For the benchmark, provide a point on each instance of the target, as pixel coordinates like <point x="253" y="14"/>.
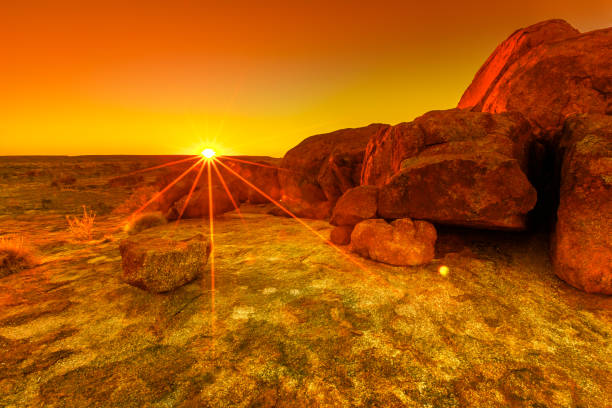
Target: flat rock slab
<point x="294" y="323"/>
<point x="159" y="260"/>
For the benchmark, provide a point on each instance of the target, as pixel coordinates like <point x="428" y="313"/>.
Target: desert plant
<point x="15" y="256"/>
<point x="82" y="228"/>
<point x="145" y="221"/>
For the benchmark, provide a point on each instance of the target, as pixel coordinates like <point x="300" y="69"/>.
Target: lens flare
<point x="443" y="270"/>
<point x="208" y="153"/>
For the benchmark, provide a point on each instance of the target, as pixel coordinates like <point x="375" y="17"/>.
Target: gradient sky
<point x="250" y="77"/>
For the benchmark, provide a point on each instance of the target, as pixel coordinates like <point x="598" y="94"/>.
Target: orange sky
<point x="253" y="77"/>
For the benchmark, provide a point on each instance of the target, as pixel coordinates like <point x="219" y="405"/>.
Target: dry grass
<point x="15" y="256"/>
<point x="145" y="221"/>
<point x="82" y="228"/>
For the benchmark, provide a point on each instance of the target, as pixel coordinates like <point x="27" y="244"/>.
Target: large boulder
<point x="198" y="204"/>
<point x="158" y="260"/>
<point x="546" y="71"/>
<point x="322" y="167"/>
<point x="454" y="167"/>
<point x="582" y="242"/>
<point x="261" y="171"/>
<point x="402" y="242"/>
<point x="508" y="52"/>
<point x="355" y="205"/>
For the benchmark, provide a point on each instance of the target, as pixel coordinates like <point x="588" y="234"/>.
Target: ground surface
<point x="295" y="323"/>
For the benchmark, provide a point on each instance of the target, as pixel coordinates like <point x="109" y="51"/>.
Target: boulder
<point x="322" y="167"/>
<point x="341" y="234"/>
<point x="260" y="171"/>
<point x="508" y="52"/>
<point x="582" y="242"/>
<point x="547" y="72"/>
<point x="355" y="205"/>
<point x="454" y="167"/>
<point x="402" y="242"/>
<point x="198" y="205"/>
<point x="157" y="260"/>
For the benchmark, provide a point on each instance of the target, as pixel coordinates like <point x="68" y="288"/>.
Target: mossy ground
<point x="295" y="323"/>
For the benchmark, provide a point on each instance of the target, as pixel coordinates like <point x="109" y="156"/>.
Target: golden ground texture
<point x="295" y="323"/>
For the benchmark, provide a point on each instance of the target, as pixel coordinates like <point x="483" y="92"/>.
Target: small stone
<point x="341" y="235"/>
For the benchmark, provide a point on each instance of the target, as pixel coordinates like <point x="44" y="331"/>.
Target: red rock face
<point x="549" y="79"/>
<point x="356" y="205"/>
<point x="454" y="167"/>
<point x="508" y="52"/>
<point x="322" y="167"/>
<point x="403" y="242"/>
<point x="582" y="243"/>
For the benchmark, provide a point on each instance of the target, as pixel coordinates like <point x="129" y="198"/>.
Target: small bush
<point x="15" y="256"/>
<point x="145" y="221"/>
<point x="82" y="228"/>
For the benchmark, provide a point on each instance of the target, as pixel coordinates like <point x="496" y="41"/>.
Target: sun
<point x="208" y="153"/>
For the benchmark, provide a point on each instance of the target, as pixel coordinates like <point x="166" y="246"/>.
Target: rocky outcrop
<point x="355" y="205"/>
<point x="158" y="262"/>
<point x="546" y="71"/>
<point x="322" y="167"/>
<point x="198" y="204"/>
<point x="402" y="242"/>
<point x="261" y="171"/>
<point x="582" y="242"/>
<point x="454" y="167"/>
<point x="508" y="52"/>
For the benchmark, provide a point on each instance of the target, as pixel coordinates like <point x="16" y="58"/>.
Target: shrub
<point x="145" y="221"/>
<point x="82" y="228"/>
<point x="15" y="256"/>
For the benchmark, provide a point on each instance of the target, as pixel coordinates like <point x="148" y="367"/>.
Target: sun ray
<point x="317" y="233"/>
<point x="173" y="163"/>
<point x="229" y="194"/>
<point x="159" y="194"/>
<point x="212" y="254"/>
<point x="193" y="187"/>
<point x="255" y="164"/>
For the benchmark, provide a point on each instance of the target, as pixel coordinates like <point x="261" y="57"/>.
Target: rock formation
<point x="546" y="71"/>
<point x="582" y="242"/>
<point x="454" y="167"/>
<point x="157" y="261"/>
<point x="198" y="205"/>
<point x="322" y="167"/>
<point x="402" y="242"/>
